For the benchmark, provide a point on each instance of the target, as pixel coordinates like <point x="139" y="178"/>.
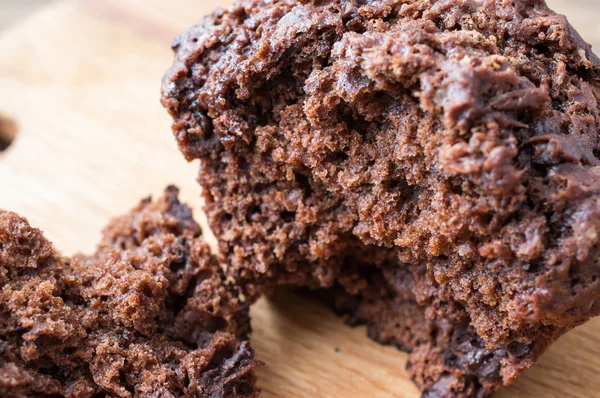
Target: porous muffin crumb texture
<point x="148" y="315"/>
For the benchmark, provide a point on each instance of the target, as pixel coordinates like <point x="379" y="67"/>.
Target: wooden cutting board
<point x="79" y="88"/>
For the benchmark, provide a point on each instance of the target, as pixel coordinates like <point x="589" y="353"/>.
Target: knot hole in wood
<point x="8" y="132"/>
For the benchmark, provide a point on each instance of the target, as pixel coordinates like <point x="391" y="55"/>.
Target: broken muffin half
<point x="441" y="156"/>
<point x="147" y="315"/>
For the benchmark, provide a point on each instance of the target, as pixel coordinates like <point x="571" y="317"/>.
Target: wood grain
<point x="81" y="79"/>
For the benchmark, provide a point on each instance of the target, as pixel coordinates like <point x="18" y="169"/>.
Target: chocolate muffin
<point x="148" y="315"/>
<point x="460" y="135"/>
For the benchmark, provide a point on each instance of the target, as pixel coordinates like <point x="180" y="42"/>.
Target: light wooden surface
<point x="81" y="79"/>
